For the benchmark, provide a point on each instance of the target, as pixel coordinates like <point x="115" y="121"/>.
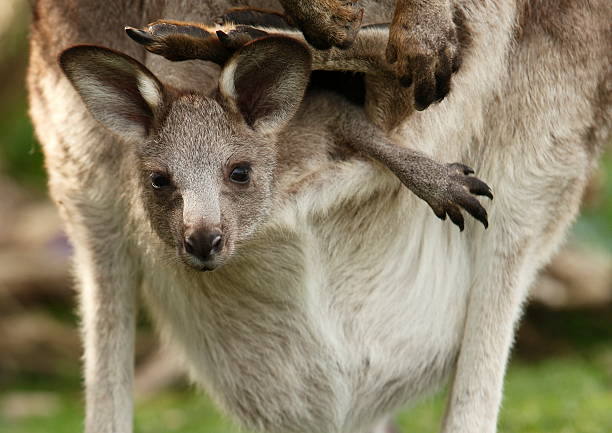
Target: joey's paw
<point x="326" y="23"/>
<point x="461" y="192"/>
<point x="175" y="40"/>
<point x="424" y="50"/>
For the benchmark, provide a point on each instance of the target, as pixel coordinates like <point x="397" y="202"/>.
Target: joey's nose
<point x="203" y="244"/>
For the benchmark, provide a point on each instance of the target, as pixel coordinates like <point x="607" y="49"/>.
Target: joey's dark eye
<point x="159" y="180"/>
<point x="240" y="174"/>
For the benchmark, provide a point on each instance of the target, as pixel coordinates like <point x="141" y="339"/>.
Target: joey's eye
<point x="159" y="180"/>
<point x="240" y="174"/>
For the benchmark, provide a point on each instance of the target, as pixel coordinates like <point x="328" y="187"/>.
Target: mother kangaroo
<point x="351" y="300"/>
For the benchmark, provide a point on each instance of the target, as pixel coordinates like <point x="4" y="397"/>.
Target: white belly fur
<point x="339" y="313"/>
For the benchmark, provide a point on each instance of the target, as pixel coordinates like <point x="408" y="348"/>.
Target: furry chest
<point x="309" y="332"/>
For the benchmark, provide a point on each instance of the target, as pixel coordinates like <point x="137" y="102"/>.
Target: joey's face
<point x="207" y="181"/>
<point x="206" y="167"/>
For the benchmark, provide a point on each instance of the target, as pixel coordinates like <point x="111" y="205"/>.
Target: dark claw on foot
<point x="440" y="213"/>
<point x="478" y="187"/>
<point x="455" y="215"/>
<point x="474" y="208"/>
<point x="463" y="191"/>
<point x="140" y="36"/>
<point x="460" y="192"/>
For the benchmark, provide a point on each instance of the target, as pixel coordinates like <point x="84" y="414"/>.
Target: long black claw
<point x="140" y="36"/>
<point x="482" y="217"/>
<point x="484" y="221"/>
<point x="455" y="215"/>
<point x="478" y="187"/>
<point x="474" y="208"/>
<point x="439" y="213"/>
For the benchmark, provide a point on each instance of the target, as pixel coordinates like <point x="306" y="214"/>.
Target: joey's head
<point x="205" y="162"/>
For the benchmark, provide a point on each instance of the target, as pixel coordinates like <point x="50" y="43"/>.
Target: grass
<point x="564" y="395"/>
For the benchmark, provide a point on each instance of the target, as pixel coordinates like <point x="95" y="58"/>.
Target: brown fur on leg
<point x="250" y="16"/>
<point x="326" y="23"/>
<point x="179" y="41"/>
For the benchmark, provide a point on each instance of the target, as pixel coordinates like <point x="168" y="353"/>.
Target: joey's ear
<point x="119" y="92"/>
<point x="265" y="81"/>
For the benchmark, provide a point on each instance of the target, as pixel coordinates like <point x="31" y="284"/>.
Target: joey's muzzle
<point x="202" y="245"/>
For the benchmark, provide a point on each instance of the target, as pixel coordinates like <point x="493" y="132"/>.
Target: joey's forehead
<point x="193" y="120"/>
<point x="195" y="130"/>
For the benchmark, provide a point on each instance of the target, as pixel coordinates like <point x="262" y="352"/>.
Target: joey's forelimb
<point x="446" y="188"/>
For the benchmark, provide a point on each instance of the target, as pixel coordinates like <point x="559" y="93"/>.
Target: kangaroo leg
<point x="107" y="283"/>
<point x="249" y="16"/>
<point x="108" y="309"/>
<point x="506" y="265"/>
<point x="178" y="41"/>
<point x="494" y="307"/>
<point x="324" y="23"/>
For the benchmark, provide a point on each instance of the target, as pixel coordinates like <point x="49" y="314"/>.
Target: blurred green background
<point x="559" y="380"/>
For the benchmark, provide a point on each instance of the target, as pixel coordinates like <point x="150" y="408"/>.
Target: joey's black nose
<point x="203" y="244"/>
